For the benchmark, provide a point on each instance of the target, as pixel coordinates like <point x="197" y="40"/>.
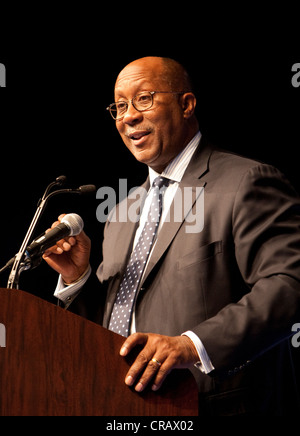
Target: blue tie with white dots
<point x="122" y="310"/>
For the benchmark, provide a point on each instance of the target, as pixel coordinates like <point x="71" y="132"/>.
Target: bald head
<point x="167" y="70"/>
<point x="176" y="75"/>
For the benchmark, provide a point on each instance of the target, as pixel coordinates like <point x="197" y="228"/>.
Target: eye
<point x="143" y="100"/>
<point x="121" y="107"/>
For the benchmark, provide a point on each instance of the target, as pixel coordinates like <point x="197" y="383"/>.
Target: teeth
<point x="138" y="135"/>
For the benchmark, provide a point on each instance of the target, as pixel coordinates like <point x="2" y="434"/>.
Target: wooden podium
<point x="56" y="363"/>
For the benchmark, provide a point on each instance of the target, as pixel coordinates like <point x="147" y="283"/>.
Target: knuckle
<point x="153" y="365"/>
<point x="164" y="371"/>
<point x="142" y="358"/>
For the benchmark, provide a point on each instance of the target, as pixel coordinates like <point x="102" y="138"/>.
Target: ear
<point x="188" y="104"/>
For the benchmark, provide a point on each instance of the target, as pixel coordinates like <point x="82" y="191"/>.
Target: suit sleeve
<point x="266" y="233"/>
<point x="89" y="303"/>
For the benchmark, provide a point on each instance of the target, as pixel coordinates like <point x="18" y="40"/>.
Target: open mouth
<point x="138" y="136"/>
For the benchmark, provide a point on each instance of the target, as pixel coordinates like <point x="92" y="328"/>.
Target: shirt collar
<point x="176" y="168"/>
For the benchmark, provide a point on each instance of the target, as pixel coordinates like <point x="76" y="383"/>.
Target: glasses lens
<point x="117" y="110"/>
<point x="143" y="101"/>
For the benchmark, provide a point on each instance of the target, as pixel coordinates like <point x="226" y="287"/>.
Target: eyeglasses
<point x="141" y="102"/>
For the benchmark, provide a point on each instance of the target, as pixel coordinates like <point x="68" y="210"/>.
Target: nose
<point x="132" y="116"/>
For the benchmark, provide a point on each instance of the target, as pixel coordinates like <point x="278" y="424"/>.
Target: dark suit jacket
<point x="236" y="283"/>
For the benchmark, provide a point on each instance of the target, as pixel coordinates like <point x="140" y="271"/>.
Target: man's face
<point x="158" y="134"/>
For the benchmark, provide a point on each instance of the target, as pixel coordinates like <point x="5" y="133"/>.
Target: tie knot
<point x="160" y="182"/>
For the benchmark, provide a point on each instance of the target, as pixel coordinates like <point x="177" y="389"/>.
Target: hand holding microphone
<point x="70" y="255"/>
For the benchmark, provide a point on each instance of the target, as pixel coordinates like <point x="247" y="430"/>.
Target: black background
<point x="61" y="68"/>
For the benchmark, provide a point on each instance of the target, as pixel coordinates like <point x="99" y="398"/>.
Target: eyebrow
<point x="144" y="85"/>
<point x="122" y="98"/>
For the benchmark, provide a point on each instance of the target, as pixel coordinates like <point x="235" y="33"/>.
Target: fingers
<point x="62" y="245"/>
<point x="151" y="364"/>
<point x="155" y="373"/>
<point x="157" y="359"/>
<point x="132" y="341"/>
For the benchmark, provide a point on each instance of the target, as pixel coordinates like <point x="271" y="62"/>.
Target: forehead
<point x="135" y="78"/>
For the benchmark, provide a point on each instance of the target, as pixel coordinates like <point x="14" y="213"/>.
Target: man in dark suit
<point x="220" y="290"/>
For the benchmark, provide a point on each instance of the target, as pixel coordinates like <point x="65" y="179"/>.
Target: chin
<point x="146" y="157"/>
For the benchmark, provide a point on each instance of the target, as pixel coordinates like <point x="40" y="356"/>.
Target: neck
<point x="189" y="137"/>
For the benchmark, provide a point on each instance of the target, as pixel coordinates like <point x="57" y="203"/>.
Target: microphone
<point x="60" y="180"/>
<point x="71" y="225"/>
<point x="85" y="190"/>
<point x="82" y="190"/>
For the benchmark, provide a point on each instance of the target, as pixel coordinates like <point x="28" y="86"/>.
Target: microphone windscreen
<point x="74" y="222"/>
<point x="87" y="189"/>
<point x="61" y="180"/>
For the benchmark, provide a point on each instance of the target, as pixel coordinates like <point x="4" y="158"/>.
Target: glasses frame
<point x="152" y="93"/>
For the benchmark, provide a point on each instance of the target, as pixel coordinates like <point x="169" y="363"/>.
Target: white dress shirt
<point x="174" y="171"/>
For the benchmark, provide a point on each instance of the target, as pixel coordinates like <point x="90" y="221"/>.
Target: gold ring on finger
<point x="156" y="361"/>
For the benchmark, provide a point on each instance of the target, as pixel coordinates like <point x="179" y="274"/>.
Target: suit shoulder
<point x="232" y="169"/>
<point x="227" y="170"/>
<point x="234" y="160"/>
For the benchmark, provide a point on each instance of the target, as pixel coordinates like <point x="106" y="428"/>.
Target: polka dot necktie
<point x="122" y="310"/>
